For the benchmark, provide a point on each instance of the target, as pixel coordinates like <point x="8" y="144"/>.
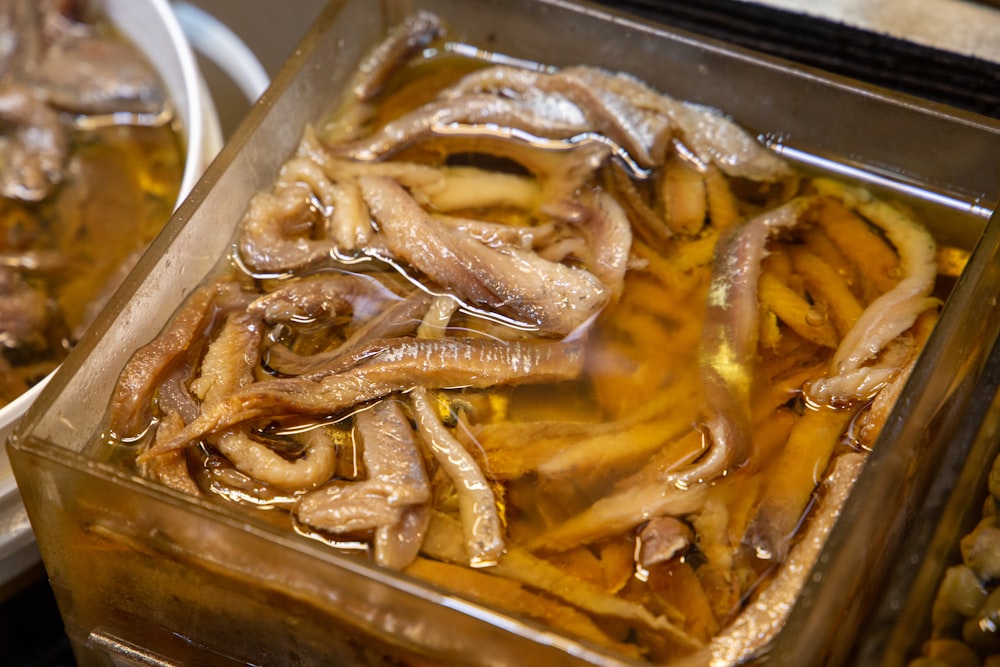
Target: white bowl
<point x="153" y="27"/>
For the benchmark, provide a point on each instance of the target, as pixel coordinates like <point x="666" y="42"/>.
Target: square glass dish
<point x="146" y="575"/>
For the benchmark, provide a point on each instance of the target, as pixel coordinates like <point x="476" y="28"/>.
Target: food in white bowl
<point x="107" y="126"/>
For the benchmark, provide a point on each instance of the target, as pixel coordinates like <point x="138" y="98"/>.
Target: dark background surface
<point x="968" y="83"/>
<point x="30" y="628"/>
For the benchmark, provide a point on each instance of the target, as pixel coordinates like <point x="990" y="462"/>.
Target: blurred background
<point x="271" y="29"/>
<point x="31" y="633"/>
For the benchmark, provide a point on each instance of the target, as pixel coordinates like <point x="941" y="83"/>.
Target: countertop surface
<point x="967" y="28"/>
